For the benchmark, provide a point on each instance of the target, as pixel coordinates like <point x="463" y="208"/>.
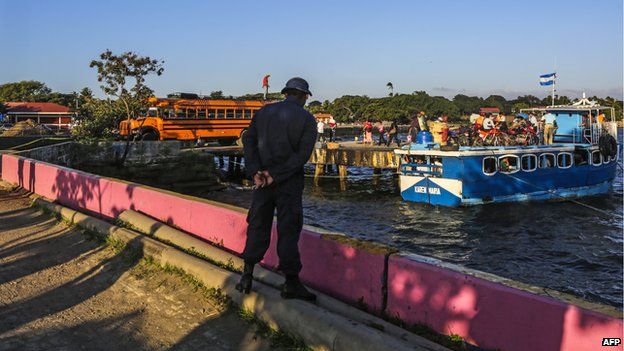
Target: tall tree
<point x="115" y="71"/>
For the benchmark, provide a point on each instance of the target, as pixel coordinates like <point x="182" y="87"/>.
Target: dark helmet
<point x="297" y="84"/>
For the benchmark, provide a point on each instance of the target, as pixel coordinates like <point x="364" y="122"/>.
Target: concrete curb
<point x="318" y="327"/>
<point x="161" y="231"/>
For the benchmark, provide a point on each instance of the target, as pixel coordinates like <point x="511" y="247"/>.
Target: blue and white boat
<point x="582" y="161"/>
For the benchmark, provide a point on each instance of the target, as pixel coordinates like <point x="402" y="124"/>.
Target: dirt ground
<point x="61" y="290"/>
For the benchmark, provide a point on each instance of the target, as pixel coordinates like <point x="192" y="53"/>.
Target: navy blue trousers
<point x="286" y="199"/>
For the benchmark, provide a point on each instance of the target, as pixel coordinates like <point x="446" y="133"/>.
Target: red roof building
<point x="492" y="110"/>
<point x="47" y="113"/>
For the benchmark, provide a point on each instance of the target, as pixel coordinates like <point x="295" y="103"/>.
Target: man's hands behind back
<point x="262" y="179"/>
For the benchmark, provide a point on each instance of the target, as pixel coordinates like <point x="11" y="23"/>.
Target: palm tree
<point x="391" y="87"/>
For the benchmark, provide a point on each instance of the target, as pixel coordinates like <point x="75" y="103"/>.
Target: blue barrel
<point x="424" y="137"/>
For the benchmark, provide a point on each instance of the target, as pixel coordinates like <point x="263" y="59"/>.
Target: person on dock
<point x="413" y="130"/>
<point x="332" y="128"/>
<point x="320" y="130"/>
<point x="368" y="132"/>
<point x="382" y="133"/>
<point x="393" y="134"/>
<point x="279" y="141"/>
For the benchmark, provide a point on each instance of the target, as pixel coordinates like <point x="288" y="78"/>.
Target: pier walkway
<point x="59" y="289"/>
<point x="340" y="155"/>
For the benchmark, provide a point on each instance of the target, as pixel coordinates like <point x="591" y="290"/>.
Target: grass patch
<point x="453" y="341"/>
<point x="276" y="338"/>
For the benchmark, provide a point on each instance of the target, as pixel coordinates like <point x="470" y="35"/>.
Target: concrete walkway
<point x="61" y="290"/>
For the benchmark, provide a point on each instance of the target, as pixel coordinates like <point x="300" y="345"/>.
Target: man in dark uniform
<point x="277" y="144"/>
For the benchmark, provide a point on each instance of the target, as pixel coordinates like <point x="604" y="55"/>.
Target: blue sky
<point x="445" y="47"/>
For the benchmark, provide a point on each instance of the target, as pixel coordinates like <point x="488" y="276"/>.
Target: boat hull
<point x="434" y="192"/>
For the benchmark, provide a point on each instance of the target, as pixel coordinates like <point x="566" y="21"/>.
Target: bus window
<point x="547" y="161"/>
<point x="212" y="113"/>
<point x="564" y="160"/>
<point x="239" y="114"/>
<point x="220" y="114"/>
<point x="201" y="113"/>
<point x="581" y="157"/>
<point x="529" y="163"/>
<point x="180" y="113"/>
<point x="191" y="113"/>
<point x="596" y="158"/>
<point x="490" y="165"/>
<point x="229" y="114"/>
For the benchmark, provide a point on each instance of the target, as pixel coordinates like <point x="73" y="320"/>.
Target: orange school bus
<point x="192" y="119"/>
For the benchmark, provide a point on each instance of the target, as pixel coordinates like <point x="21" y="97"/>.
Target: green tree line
<point x="401" y="107"/>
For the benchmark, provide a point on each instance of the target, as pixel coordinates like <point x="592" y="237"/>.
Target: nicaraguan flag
<point x="547" y="79"/>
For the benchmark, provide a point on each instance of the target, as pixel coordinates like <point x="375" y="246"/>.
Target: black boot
<point x="244" y="285"/>
<point x="293" y="289"/>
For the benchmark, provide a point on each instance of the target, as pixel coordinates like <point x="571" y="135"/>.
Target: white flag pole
<point x="553" y="88"/>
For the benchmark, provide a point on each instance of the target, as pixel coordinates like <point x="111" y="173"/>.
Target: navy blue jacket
<point x="279" y="139"/>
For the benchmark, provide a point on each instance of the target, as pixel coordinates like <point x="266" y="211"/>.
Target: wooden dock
<point x="341" y="155"/>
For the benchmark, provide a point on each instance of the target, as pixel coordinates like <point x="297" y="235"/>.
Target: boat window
<point x="547" y="161"/>
<point x="564" y="160"/>
<point x="420" y="159"/>
<point x="509" y="164"/>
<point x="436" y="161"/>
<point x="581" y="157"/>
<point x="596" y="158"/>
<point x="490" y="165"/>
<point x="529" y="163"/>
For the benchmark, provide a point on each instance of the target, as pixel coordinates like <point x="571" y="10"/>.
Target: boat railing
<point x="592" y="135"/>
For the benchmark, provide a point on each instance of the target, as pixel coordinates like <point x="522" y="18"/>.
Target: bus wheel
<point x="149" y="135"/>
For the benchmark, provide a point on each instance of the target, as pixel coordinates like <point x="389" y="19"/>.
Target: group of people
<point x="320" y="129"/>
<point x="386" y="137"/>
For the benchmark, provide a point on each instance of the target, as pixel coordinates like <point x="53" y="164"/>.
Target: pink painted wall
<point x="346" y="273"/>
<point x="491" y="315"/>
